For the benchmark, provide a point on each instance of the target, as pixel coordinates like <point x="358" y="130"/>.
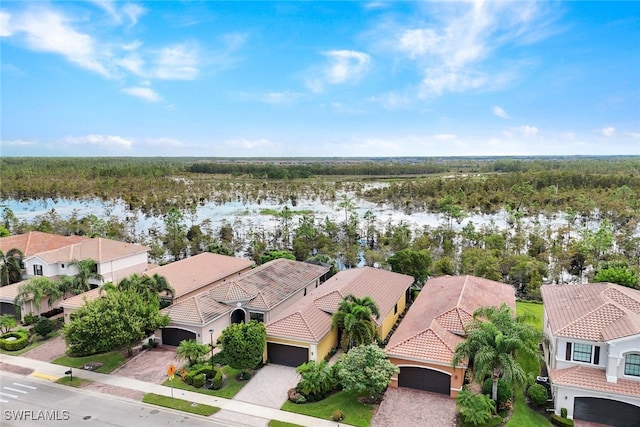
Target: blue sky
<point x="342" y="78"/>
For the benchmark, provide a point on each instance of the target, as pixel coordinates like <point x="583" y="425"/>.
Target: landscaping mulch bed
<point x="6" y="367"/>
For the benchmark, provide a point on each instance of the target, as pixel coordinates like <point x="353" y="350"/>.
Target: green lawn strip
<point x="77" y="382"/>
<point x="534" y="308"/>
<point x="355" y="413"/>
<point x="179" y="404"/>
<point x="523" y="415"/>
<point x="232" y="387"/>
<point x="276" y="423"/>
<point x="36" y="340"/>
<point x="110" y="361"/>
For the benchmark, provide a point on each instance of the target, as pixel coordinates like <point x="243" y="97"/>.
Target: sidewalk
<point x="52" y="372"/>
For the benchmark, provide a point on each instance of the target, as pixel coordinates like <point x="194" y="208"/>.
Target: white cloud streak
<point x="500" y="112"/>
<point x="608" y="131"/>
<point x="105" y="141"/>
<point x="144" y="93"/>
<point x="344" y="66"/>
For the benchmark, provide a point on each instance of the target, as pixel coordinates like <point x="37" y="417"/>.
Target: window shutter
<point x="568" y="355"/>
<point x="596" y="356"/>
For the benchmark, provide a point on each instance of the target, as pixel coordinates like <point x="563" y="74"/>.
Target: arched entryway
<point x="238" y="316"/>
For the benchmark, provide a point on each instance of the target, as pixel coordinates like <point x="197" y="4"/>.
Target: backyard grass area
<point x="110" y="361"/>
<point x="276" y="423"/>
<point x="179" y="404"/>
<point x="232" y="387"/>
<point x="36" y="340"/>
<point x="355" y="413"/>
<point x="523" y="415"/>
<point x="77" y="382"/>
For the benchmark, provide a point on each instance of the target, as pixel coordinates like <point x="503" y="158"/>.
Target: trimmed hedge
<point x="20" y="342"/>
<point x="216" y="381"/>
<point x="198" y="375"/>
<point x="538" y="394"/>
<point x="557" y="420"/>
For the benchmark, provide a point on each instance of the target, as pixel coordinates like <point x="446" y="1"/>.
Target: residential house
<point x="303" y="332"/>
<point x="425" y="341"/>
<point x="592" y="348"/>
<point x="259" y="294"/>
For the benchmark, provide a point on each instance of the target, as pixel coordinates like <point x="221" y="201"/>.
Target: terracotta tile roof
<point x="8" y="293"/>
<point x="191" y="274"/>
<point x="98" y="249"/>
<point x="275" y="282"/>
<point x="384" y="287"/>
<point x="444" y="305"/>
<point x="593" y="379"/>
<point x="198" y="310"/>
<point x="78" y="301"/>
<point x="35" y="242"/>
<point x="595" y="312"/>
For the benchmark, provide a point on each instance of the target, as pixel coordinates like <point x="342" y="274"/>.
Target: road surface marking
<point x="4" y="401"/>
<point x="26" y="386"/>
<point x="45" y="376"/>
<point x="7" y="394"/>
<point x="15" y="389"/>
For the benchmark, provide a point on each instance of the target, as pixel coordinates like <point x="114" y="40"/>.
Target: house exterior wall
<point x="202" y="332"/>
<point x="326" y="344"/>
<point x="618" y="350"/>
<point x="457" y="374"/>
<point x="565" y="398"/>
<point x="117" y="269"/>
<point x="560" y="361"/>
<point x="387" y="324"/>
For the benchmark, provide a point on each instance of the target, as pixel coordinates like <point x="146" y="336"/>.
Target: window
<point x="582" y="353"/>
<point x="37" y="270"/>
<point x="632" y="365"/>
<point x="62" y="265"/>
<point x="395" y="309"/>
<point x="258" y="317"/>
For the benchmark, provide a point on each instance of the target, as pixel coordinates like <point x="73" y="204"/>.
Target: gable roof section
<point x="595" y="312"/>
<point x="97" y="249"/>
<point x="35" y="242"/>
<point x="79" y="300"/>
<point x="191" y="274"/>
<point x="316" y="309"/>
<point x="197" y="310"/>
<point x="431" y="328"/>
<point x="593" y="379"/>
<point x="268" y="285"/>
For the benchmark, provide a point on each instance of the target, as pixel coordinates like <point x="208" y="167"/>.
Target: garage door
<point x="605" y="411"/>
<point x="287" y="355"/>
<point x="173" y="336"/>
<point x="425" y="379"/>
<point x="7" y="308"/>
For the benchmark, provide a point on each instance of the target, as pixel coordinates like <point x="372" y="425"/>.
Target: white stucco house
<point x="592" y="348"/>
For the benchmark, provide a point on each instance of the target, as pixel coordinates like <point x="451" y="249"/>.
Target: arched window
<point x="632" y="365"/>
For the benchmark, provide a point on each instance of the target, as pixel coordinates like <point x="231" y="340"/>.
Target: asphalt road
<point x="30" y="402"/>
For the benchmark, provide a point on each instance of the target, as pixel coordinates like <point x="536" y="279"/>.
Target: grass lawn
<point x="522" y="414"/>
<point x="276" y="423"/>
<point x="110" y="361"/>
<point x="36" y="340"/>
<point x="77" y="382"/>
<point x="355" y="413"/>
<point x="179" y="404"/>
<point x="232" y="387"/>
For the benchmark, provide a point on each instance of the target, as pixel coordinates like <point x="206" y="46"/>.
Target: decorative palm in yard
<point x="355" y="318"/>
<point x="35" y="290"/>
<point x="494" y="339"/>
<point x="11" y="271"/>
<point x="87" y="270"/>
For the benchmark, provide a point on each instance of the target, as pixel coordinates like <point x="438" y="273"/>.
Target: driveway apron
<point x="404" y="407"/>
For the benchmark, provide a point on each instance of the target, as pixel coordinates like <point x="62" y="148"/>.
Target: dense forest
<point x="567" y="219"/>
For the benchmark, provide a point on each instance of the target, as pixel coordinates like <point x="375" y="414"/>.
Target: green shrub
<point x="30" y="319"/>
<point x="295" y="396"/>
<point x="337" y="415"/>
<point x="505" y="391"/>
<point x="198" y="380"/>
<point x="21" y="341"/>
<point x="44" y="327"/>
<point x="557" y="420"/>
<point x="206" y="371"/>
<point x="538" y="394"/>
<point x="563" y="412"/>
<point x="216" y="381"/>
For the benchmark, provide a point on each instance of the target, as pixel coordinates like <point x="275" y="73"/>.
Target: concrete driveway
<point x="269" y="386"/>
<point x="402" y="407"/>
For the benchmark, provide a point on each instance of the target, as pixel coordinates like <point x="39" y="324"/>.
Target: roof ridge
<point x="196" y="302"/>
<point x="411" y="337"/>
<point x="586" y="315"/>
<point x="464" y="286"/>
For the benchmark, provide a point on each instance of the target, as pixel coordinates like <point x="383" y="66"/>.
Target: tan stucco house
<point x="424" y="343"/>
<point x="303" y="332"/>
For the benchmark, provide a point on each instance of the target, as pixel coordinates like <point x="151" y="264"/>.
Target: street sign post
<point x="171" y="371"/>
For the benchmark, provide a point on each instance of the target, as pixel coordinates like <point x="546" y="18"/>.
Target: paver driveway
<point x="149" y="365"/>
<point x="404" y="407"/>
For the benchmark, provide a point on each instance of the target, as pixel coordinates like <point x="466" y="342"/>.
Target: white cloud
<point x="145" y="93"/>
<point x="392" y="100"/>
<point x="608" y="131"/>
<point x="131" y="11"/>
<point x="165" y="143"/>
<point x="5" y="24"/>
<point x="445" y="137"/>
<point x="17" y="143"/>
<point x="48" y="31"/>
<point x="500" y="112"/>
<point x="528" y="131"/>
<point x="343" y="66"/>
<point x="176" y="62"/>
<point x="451" y="41"/>
<point x="105" y="141"/>
<point x="634" y="135"/>
<point x="252" y="144"/>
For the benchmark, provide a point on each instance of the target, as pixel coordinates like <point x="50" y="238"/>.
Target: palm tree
<point x="147" y="285"/>
<point x="11" y="270"/>
<point x="35" y="290"/>
<point x="87" y="270"/>
<point x="316" y="377"/>
<point x="191" y="351"/>
<point x="494" y="340"/>
<point x="355" y="319"/>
